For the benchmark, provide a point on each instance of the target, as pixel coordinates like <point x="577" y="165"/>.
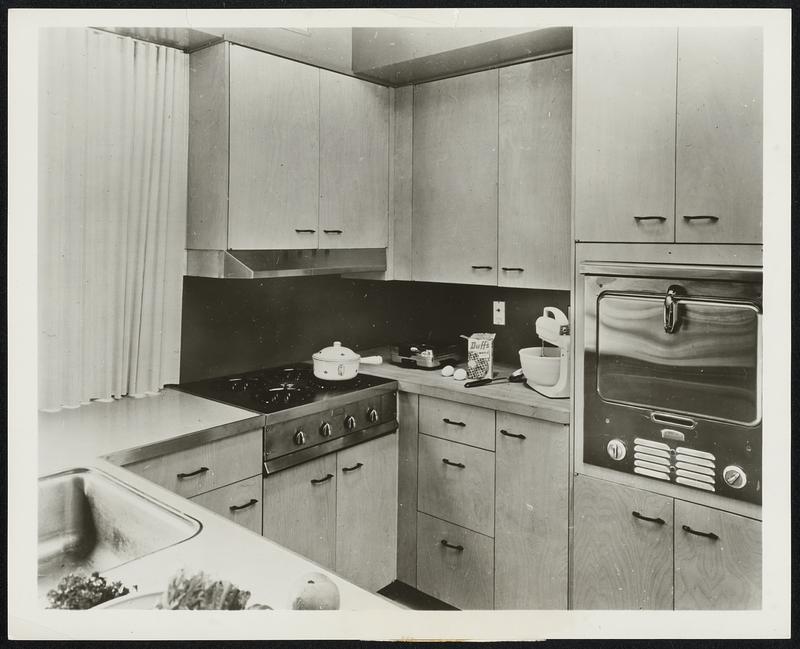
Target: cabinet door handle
<point x="202" y="469"/>
<point x="347" y="469"/>
<point x="304" y="231"/>
<point x="453" y="423"/>
<point x="458" y="464"/>
<point x="507" y="434"/>
<point x="482" y="267"/>
<point x="321" y="480"/>
<point x="235" y="508"/>
<point x="514" y="268"/>
<point x="457" y="548"/>
<point x="651" y="519"/>
<point x="650" y="217"/>
<point x="333" y="231"/>
<point x="708" y="535"/>
<point x="701" y="217"/>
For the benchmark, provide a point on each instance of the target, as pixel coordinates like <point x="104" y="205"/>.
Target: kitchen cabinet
<point x="366" y="513"/>
<point x="535" y="164"/>
<point x="239" y="502"/>
<point x="457" y="422"/>
<point x="353" y="163"/>
<point x="408" y="445"/>
<point x="668" y="135"/>
<point x="719" y="135"/>
<point x="631" y="546"/>
<point x="454" y="179"/>
<point x="531" y="514"/>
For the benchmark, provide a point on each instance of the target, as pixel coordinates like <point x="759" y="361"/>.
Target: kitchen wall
<point x="238" y="325"/>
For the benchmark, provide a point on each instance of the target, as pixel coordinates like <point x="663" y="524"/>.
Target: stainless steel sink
<point x="92" y="522"/>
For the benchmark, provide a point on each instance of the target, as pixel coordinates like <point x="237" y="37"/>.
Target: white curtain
<point x="113" y="139"/>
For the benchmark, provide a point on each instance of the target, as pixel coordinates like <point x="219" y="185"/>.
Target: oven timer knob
<point x="372" y="415"/>
<point x="350" y="422"/>
<point x="616" y="449"/>
<point x="299" y="438"/>
<point x="734" y="476"/>
<point x="325" y="429"/>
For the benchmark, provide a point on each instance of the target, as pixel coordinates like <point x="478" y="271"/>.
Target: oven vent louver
<point x="691" y="468"/>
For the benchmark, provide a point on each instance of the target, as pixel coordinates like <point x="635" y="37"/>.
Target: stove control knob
<point x="299" y="438"/>
<point x="734" y="476"/>
<point x="325" y="429"/>
<point x="616" y="449"/>
<point x="372" y="415"/>
<point x="350" y="422"/>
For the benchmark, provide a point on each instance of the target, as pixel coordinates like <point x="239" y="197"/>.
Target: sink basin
<point x="92" y="522"/>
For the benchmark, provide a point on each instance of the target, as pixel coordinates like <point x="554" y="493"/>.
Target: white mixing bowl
<point x="540" y="369"/>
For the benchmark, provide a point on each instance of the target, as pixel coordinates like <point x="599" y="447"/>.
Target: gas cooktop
<point x="279" y="388"/>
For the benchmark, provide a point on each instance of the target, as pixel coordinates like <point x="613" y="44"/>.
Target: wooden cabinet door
<point x="300" y="509"/>
<point x="274" y="152"/>
<point x="454" y="213"/>
<point x="719" y="573"/>
<point x="239" y="502"/>
<point x="621" y="561"/>
<point x="535" y="174"/>
<point x="624" y="116"/>
<point x="720" y="127"/>
<point x="366" y="513"/>
<point x="408" y="438"/>
<point x="531" y="514"/>
<point x="354" y="163"/>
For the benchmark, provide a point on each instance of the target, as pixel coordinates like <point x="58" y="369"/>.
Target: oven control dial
<point x="734" y="476"/>
<point x="325" y="429"/>
<point x="372" y="415"/>
<point x="299" y="438"/>
<point x="350" y="422"/>
<point x="616" y="449"/>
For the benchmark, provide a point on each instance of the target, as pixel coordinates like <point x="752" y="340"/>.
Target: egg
<point x="460" y="374"/>
<point x="448" y="370"/>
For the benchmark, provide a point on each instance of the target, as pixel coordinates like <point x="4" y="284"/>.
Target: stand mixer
<point x="546" y="369"/>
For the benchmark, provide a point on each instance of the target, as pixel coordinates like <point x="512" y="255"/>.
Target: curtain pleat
<point x="112" y="195"/>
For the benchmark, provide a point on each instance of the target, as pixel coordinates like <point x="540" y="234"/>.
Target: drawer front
<point x="457" y="422"/>
<point x="239" y="502"/>
<point x="461" y="575"/>
<point x="460" y="490"/>
<point x="206" y="467"/>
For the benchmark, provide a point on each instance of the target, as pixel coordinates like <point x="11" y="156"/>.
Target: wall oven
<point x="672" y="374"/>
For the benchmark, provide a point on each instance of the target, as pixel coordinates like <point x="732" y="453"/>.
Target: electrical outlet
<point x="498" y="313"/>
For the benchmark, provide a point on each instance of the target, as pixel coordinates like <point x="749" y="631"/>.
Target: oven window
<point x="708" y="367"/>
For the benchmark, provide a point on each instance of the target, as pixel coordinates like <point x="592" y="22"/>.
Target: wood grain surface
<point x="408" y="441"/>
<point x="478" y="428"/>
<point x="236" y="494"/>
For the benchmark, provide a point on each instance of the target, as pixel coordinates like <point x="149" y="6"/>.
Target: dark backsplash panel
<point x="233" y="326"/>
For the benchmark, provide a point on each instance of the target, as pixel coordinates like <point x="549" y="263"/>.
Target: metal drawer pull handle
<point x="708" y="535"/>
<point x="650" y="217"/>
<point x="701" y="217"/>
<point x="481" y="268"/>
<point x="510" y="268"/>
<point x="458" y="464"/>
<point x="304" y="231"/>
<point x="202" y="469"/>
<point x="457" y="548"/>
<point x="235" y="508"/>
<point x="454" y="423"/>
<point x="507" y="434"/>
<point x="321" y="480"/>
<point x="652" y="519"/>
<point x="333" y="231"/>
<point x="347" y="469"/>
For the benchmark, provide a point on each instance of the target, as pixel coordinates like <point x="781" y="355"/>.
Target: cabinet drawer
<point x="239" y="502"/>
<point x="457" y="422"/>
<point x="463" y="575"/>
<point x="460" y="489"/>
<point x="206" y="467"/>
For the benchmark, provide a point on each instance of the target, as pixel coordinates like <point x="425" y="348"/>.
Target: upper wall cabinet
<point x="354" y="162"/>
<point x="535" y="163"/>
<point x="668" y="135"/>
<point x="281" y="152"/>
<point x="454" y="222"/>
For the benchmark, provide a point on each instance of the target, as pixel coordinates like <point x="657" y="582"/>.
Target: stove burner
<point x="242" y="384"/>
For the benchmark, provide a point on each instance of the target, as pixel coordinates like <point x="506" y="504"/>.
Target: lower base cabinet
<point x="631" y="546"/>
<point x="454" y="564"/>
<point x="239" y="502"/>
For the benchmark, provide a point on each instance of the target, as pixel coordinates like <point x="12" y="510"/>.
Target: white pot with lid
<point x="339" y="363"/>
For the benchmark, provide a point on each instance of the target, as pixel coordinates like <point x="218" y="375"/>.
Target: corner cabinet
<point x="634" y="549"/>
<point x="283" y="155"/>
<point x="668" y="135"/>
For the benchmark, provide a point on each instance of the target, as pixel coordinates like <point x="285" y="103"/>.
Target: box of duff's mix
<point x="480" y="356"/>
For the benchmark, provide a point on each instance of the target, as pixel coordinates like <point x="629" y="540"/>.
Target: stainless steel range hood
<point x="262" y="264"/>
